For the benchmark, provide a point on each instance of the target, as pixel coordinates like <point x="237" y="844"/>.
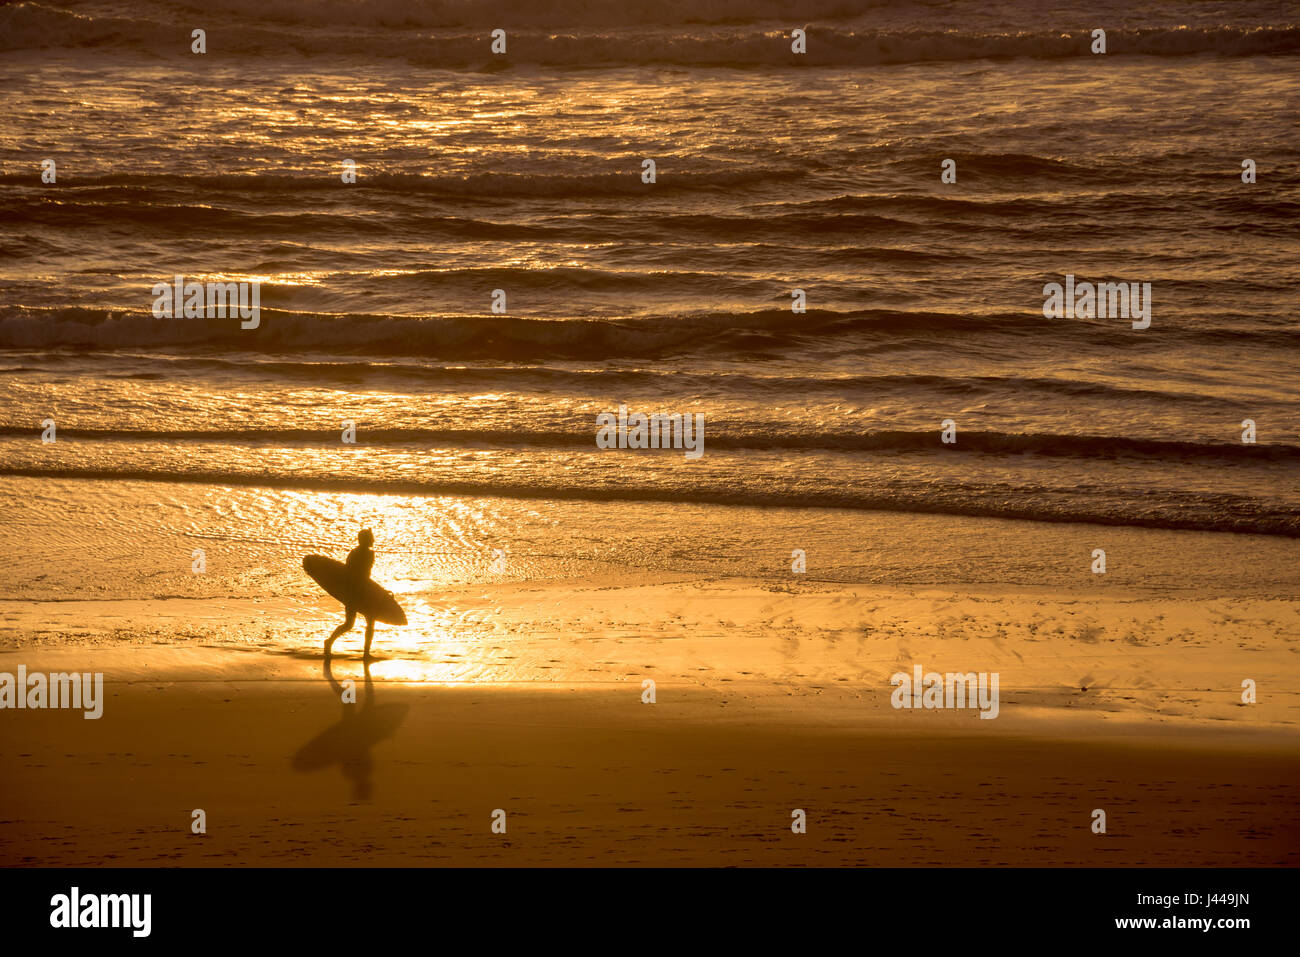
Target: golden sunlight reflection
<point x="427" y="552"/>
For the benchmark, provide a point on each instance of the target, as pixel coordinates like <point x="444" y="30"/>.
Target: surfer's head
<point x="366" y="537"/>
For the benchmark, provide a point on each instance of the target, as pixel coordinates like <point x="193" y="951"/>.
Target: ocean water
<point x="775" y="172"/>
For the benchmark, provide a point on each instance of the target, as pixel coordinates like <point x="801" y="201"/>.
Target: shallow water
<point x="775" y="173"/>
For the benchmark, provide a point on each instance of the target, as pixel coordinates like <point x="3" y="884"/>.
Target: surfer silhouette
<point x="350" y="583"/>
<point x="360" y="560"/>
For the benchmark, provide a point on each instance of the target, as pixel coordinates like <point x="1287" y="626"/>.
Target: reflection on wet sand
<point x="348" y="742"/>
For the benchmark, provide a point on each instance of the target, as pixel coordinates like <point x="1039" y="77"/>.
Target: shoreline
<point x="1062" y="656"/>
<point x="1280" y="526"/>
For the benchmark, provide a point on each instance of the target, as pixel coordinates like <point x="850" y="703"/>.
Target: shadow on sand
<point x="348" y="742"/>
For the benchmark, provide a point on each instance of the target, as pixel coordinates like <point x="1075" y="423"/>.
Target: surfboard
<point x="367" y="598"/>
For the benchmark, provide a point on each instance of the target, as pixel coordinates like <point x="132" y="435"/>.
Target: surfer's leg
<point x="346" y="626"/>
<point x="370" y="633"/>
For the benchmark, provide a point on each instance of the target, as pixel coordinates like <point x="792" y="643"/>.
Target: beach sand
<point x="768" y="698"/>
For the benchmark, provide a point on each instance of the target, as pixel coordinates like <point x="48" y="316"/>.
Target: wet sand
<point x="587" y="773"/>
<point x="771" y="694"/>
